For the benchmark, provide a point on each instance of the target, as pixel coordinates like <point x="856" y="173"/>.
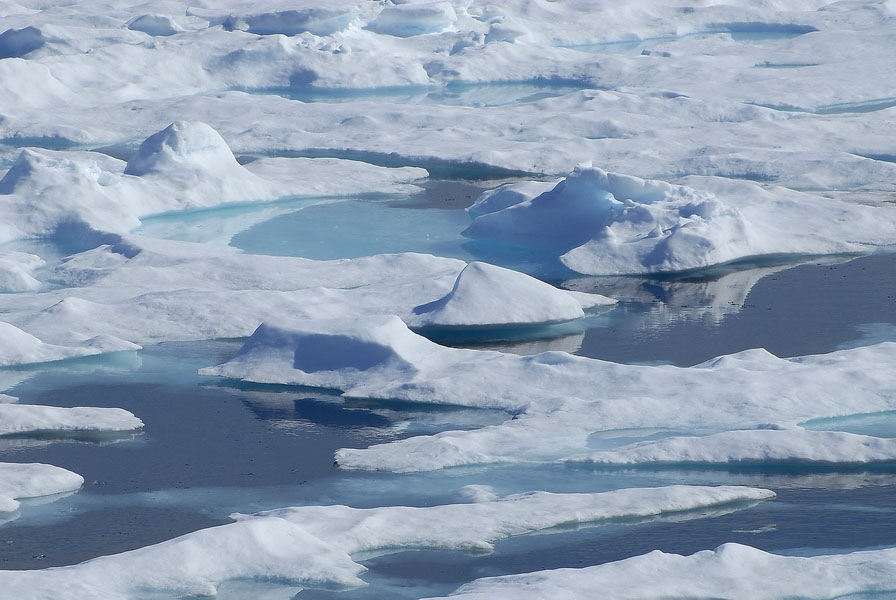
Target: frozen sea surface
<point x="327" y="117"/>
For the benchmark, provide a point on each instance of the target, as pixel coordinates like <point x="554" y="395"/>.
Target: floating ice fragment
<point x="18" y="347"/>
<point x="24" y="419"/>
<point x="731" y="572"/>
<point x="771" y="444"/>
<point x="29" y="480"/>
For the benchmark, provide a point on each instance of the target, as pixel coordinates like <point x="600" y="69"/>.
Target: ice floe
<point x="29" y="480"/>
<point x="730" y="571"/>
<point x="760" y="446"/>
<point x="316" y="545"/>
<point x="602" y="223"/>
<point x="557" y="400"/>
<point x="27" y="419"/>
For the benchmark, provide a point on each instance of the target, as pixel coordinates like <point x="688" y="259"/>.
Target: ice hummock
<point x="602" y="223"/>
<point x="30" y="480"/>
<point x="487" y="295"/>
<point x="557" y="400"/>
<point x="731" y="571"/>
<point x="317" y="545"/>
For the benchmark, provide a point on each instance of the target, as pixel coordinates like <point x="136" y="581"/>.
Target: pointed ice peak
<point x="183" y="144"/>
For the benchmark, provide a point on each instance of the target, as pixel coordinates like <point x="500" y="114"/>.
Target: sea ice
<point x="731" y="571"/>
<point x="789" y="445"/>
<point x="29" y="480"/>
<point x="25" y="419"/>
<point x="557" y="400"/>
<point x="602" y="223"/>
<point x="316" y="545"/>
<point x="484" y="294"/>
<point x="16" y="272"/>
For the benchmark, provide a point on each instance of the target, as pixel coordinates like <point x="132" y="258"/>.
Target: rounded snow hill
<point x="485" y="295"/>
<point x="182" y="144"/>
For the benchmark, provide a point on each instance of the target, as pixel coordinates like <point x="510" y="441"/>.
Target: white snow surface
<point x="17" y="272"/>
<point x="485" y="294"/>
<point x="791" y="445"/>
<point x="731" y="571"/>
<point x="315" y="545"/>
<point x="29" y="480"/>
<point x="602" y="223"/>
<point x="557" y="400"/>
<point x="19" y="419"/>
<point x="185" y="166"/>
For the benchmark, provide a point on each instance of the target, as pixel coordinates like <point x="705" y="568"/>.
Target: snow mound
<point x="16" y="272"/>
<point x="331" y="353"/>
<point x="767" y="445"/>
<point x="18" y="347"/>
<point x="476" y="526"/>
<point x="318" y="21"/>
<point x="196" y="564"/>
<point x="155" y="25"/>
<point x="484" y="294"/>
<point x="21" y="419"/>
<point x="16" y="43"/>
<point x="602" y="223"/>
<point x="30" y="480"/>
<point x="730" y="571"/>
<point x="408" y="20"/>
<point x="508" y="195"/>
<point x="312" y="545"/>
<point x="182" y="145"/>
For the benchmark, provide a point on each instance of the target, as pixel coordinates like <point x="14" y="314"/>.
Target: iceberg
<point x="730" y="571"/>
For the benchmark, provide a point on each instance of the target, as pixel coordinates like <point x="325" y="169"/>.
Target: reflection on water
<point x="807" y="309"/>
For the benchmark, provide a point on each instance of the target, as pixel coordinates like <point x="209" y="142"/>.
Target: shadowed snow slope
<point x="603" y="223"/>
<point x="30" y="480"/>
<point x="484" y="294"/>
<point x="729" y="572"/>
<point x="313" y="544"/>
<point x="558" y="399"/>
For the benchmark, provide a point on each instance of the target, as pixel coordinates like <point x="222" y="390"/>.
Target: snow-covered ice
<point x="770" y="444"/>
<point x="22" y="419"/>
<point x="484" y="294"/>
<point x="316" y="545"/>
<point x="722" y="133"/>
<point x="29" y="480"/>
<point x="602" y="223"/>
<point x="557" y="400"/>
<point x="730" y="571"/>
